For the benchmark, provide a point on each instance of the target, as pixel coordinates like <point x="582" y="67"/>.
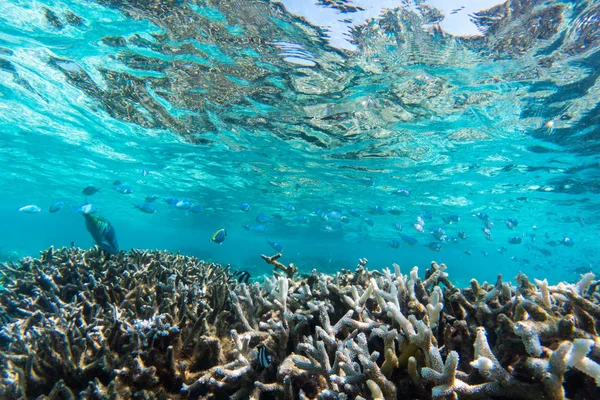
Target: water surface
<point x="231" y="102"/>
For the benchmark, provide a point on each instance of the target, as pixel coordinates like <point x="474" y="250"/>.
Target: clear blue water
<point x="231" y="102"/>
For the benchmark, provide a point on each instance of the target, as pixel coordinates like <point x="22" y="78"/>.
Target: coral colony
<point x="155" y="325"/>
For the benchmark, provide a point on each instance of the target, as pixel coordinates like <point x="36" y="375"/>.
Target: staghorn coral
<point x="157" y="325"/>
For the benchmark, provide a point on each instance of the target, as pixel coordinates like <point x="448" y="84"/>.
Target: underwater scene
<point x="299" y="199"/>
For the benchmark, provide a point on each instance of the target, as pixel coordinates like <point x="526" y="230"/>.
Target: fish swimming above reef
<point x="124" y="189"/>
<point x="408" y="240"/>
<point x="394" y="244"/>
<point x="151" y="198"/>
<point x="394" y="210"/>
<point x="302" y="219"/>
<point x="245" y="207"/>
<point x="434" y="246"/>
<point x="56" y="206"/>
<point x="90" y="190"/>
<point x="262" y="218"/>
<point x="482" y="216"/>
<point x="219" y="236"/>
<point x="275" y="245"/>
<point x="86" y="209"/>
<point x="183" y="205"/>
<point x="515" y="240"/>
<point x="171" y="201"/>
<point x="146" y="208"/>
<point x="567" y="241"/>
<point x="102" y="232"/>
<point x="256" y="228"/>
<point x="30" y="209"/>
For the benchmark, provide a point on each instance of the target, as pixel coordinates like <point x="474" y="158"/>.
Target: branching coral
<point x="158" y="325"/>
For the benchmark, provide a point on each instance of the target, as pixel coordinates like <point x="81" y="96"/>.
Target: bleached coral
<point x="356" y="334"/>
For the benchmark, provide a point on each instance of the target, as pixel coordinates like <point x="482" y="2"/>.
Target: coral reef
<point x="86" y="324"/>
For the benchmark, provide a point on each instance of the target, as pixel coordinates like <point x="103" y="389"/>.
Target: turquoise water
<point x="227" y="102"/>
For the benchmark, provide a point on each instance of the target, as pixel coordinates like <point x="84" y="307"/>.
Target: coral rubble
<point x="86" y="324"/>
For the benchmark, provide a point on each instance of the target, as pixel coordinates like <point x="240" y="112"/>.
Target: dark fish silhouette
<point x="102" y="232"/>
<point x="90" y="190"/>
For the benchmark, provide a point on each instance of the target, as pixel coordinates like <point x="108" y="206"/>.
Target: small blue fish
<point x="501" y="249"/>
<point x="515" y="240"/>
<point x="245" y="207"/>
<point x="183" y="205"/>
<point x="219" y="236"/>
<point x="369" y="221"/>
<point x="439" y="234"/>
<point x="345" y="219"/>
<point x="303" y="219"/>
<point x="332" y="216"/>
<point x="289" y="207"/>
<point x="451" y="219"/>
<point x="151" y="198"/>
<point x="144" y="172"/>
<point x="146" y="208"/>
<point x="354" y="212"/>
<point x="462" y="235"/>
<point x="275" y="245"/>
<point x="171" y="201"/>
<point x="57" y="206"/>
<point x="394" y="210"/>
<point x="488" y="224"/>
<point x="434" y="246"/>
<point x="262" y="218"/>
<point x="485" y="253"/>
<point x="452" y="239"/>
<point x="87" y="209"/>
<point x="512" y="222"/>
<point x="394" y="244"/>
<point x="509" y="225"/>
<point x="263" y="357"/>
<point x="256" y="228"/>
<point x="118" y="182"/>
<point x="408" y="240"/>
<point x="482" y="216"/>
<point x="377" y="210"/>
<point x="30" y="209"/>
<point x="468" y="252"/>
<point x="427" y="215"/>
<point x="90" y="190"/>
<point x="197" y="209"/>
<point x="124" y="189"/>
<point x="567" y="241"/>
<point x="454" y="218"/>
<point x="397" y="226"/>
